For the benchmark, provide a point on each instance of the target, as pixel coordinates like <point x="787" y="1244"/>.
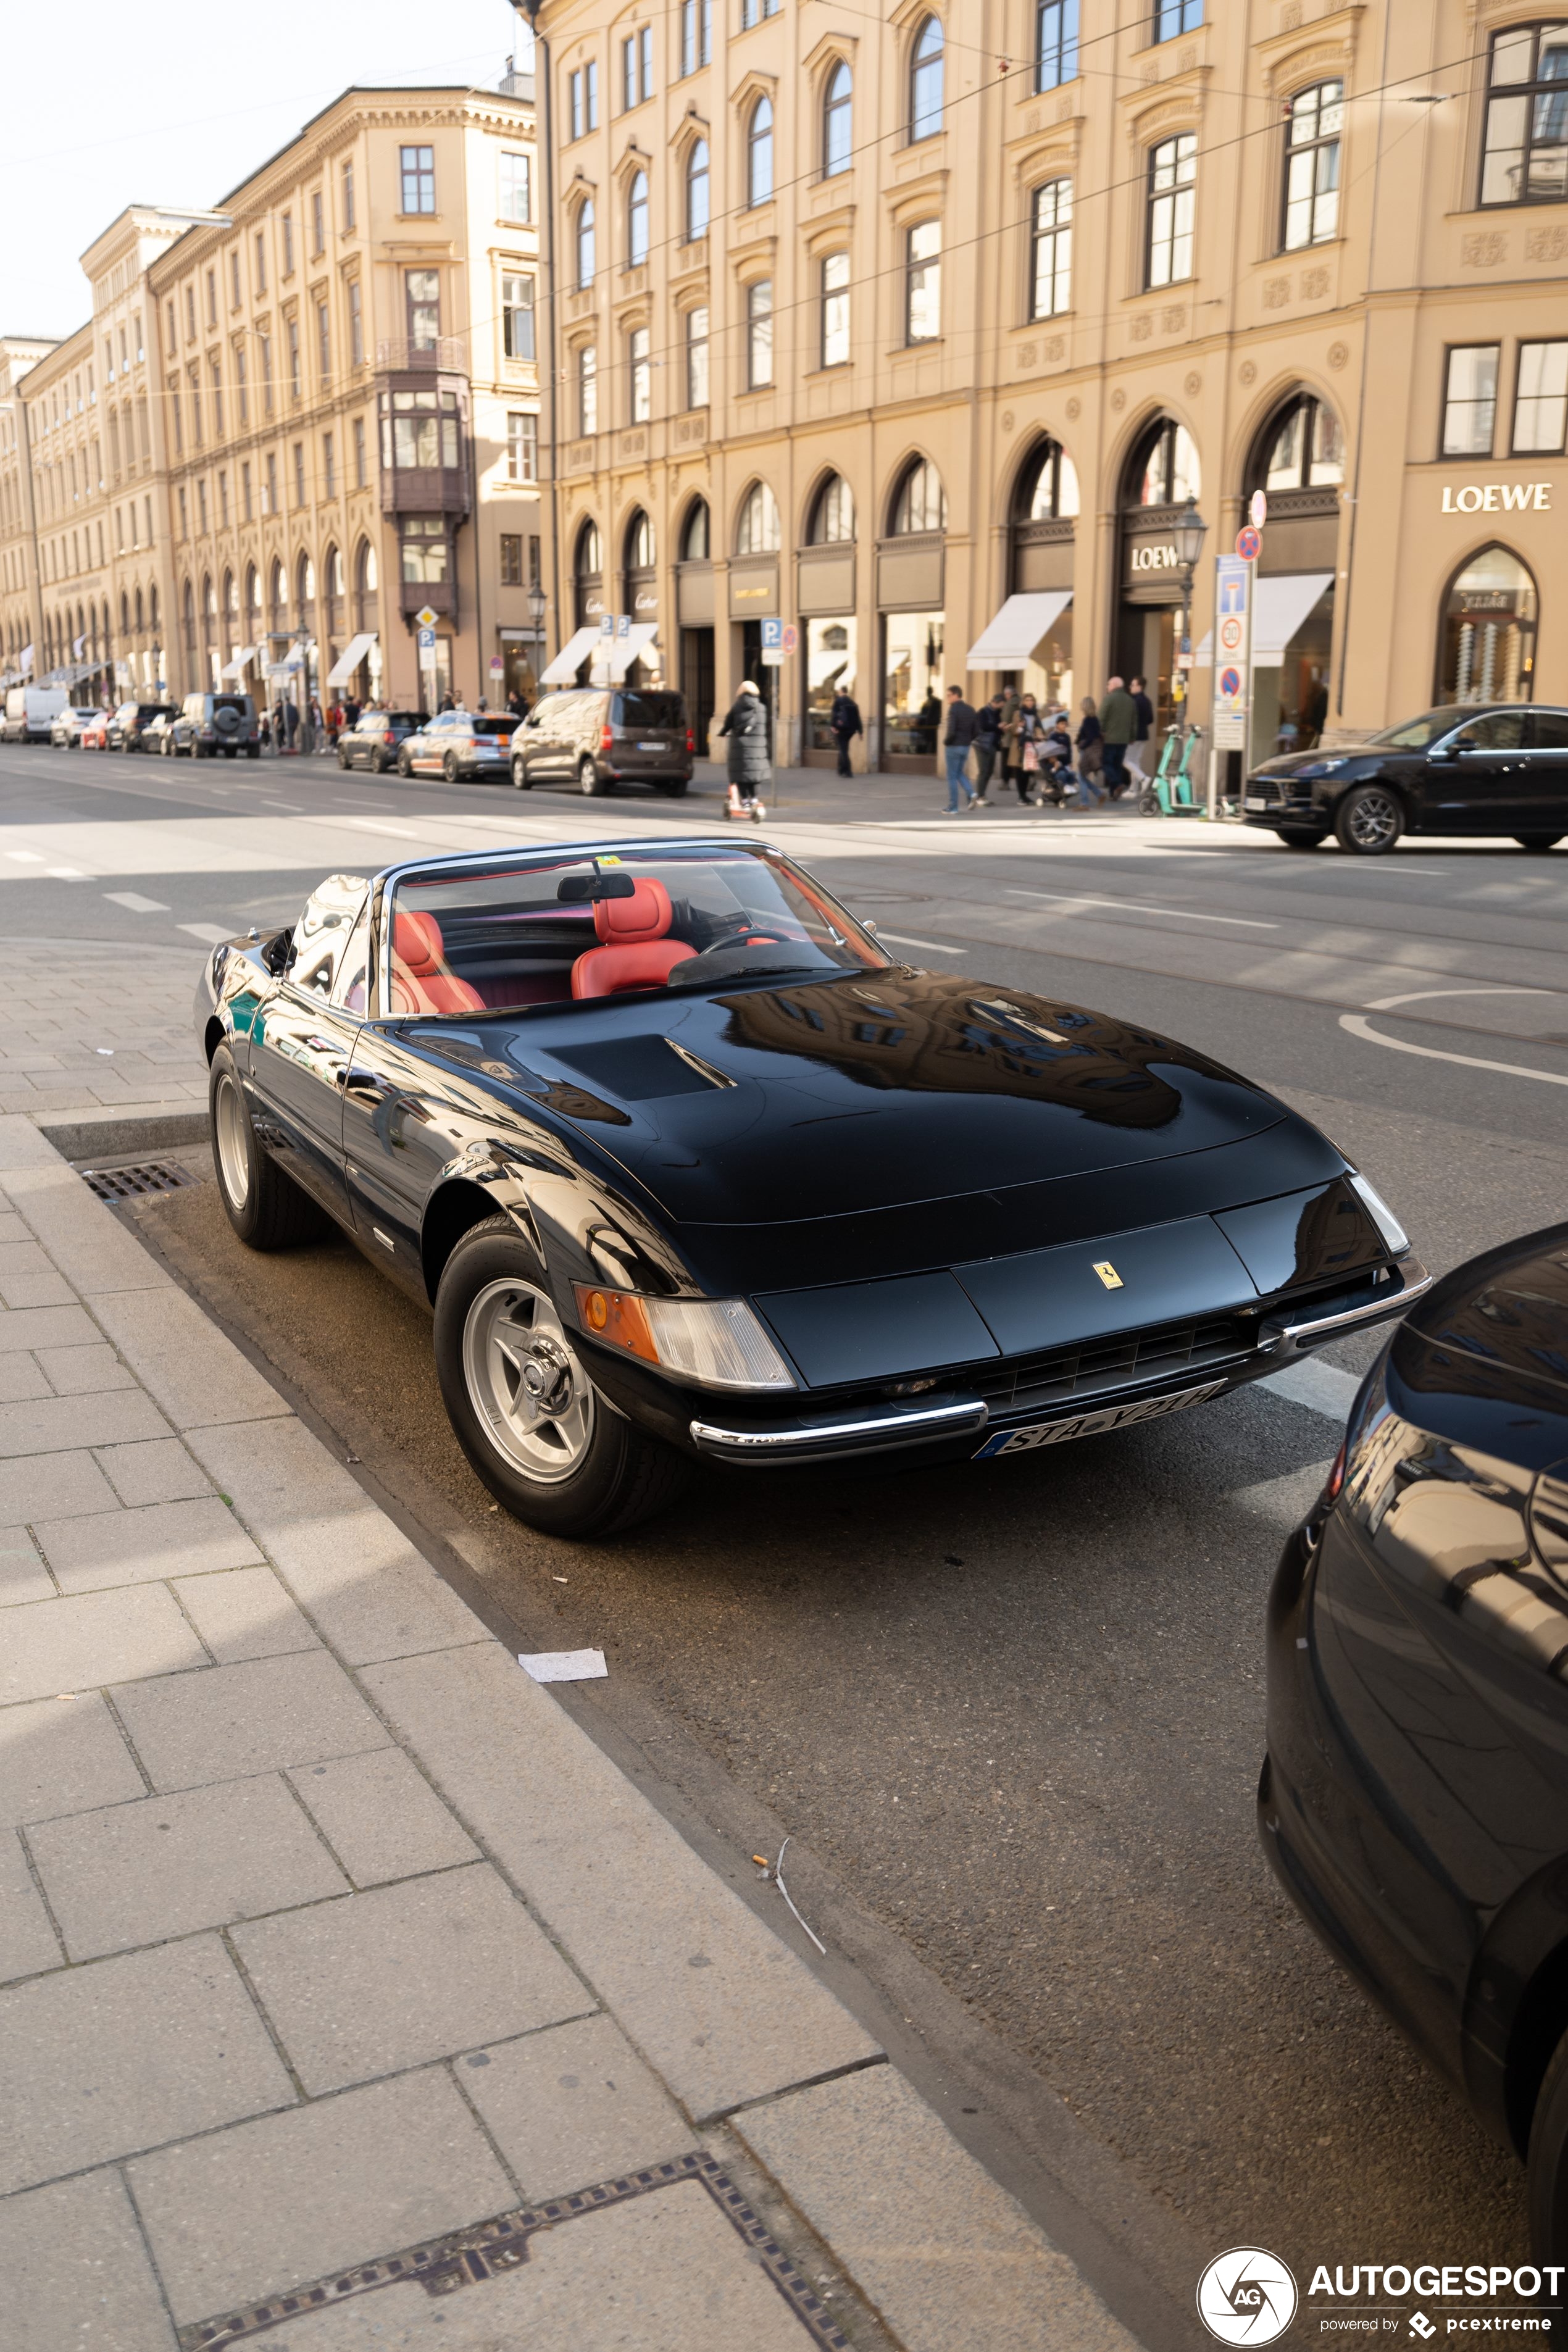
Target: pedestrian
<point x="988" y="721"/>
<point x="746" y="725"/>
<point x="844" y="725"/>
<point x="957" y="743"/>
<point x="928" y="718"/>
<point x="1056" y="760"/>
<point x="1137" y="758"/>
<point x="1118" y="723"/>
<point x="351" y="709"/>
<point x="1091" y="753"/>
<point x="1314" y="712"/>
<point x="289" y="723"/>
<point x="517" y="703"/>
<point x="447" y="701"/>
<point x="264" y="731"/>
<point x="1029" y="737"/>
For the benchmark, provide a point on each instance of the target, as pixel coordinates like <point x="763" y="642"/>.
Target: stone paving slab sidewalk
<point x="326" y="1934"/>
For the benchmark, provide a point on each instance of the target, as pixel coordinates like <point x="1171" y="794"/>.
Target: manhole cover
<point x="133" y="1183"/>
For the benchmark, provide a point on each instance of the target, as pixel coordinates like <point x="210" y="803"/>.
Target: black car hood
<point x="1296" y="763"/>
<point x="833" y="1098"/>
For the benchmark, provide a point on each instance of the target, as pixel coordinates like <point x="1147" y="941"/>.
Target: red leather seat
<point x="419" y="982"/>
<point x="635" y="952"/>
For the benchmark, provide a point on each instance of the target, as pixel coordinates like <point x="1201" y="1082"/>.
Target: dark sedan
<point x="1492" y="771"/>
<point x="375" y="738"/>
<point x="691" y="1168"/>
<point x="128" y="730"/>
<point x="1415" y="1798"/>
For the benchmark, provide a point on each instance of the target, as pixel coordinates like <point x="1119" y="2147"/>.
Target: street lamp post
<point x="1190" y="533"/>
<point x="538" y="603"/>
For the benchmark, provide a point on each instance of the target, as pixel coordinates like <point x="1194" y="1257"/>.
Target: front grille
<point x="1101" y="1366"/>
<point x="1261" y="788"/>
<point x="134" y="1184"/>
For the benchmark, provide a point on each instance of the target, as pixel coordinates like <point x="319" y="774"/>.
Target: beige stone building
<point x="875" y="320"/>
<point x="347" y="364"/>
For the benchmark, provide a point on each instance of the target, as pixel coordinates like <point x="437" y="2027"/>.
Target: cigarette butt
<point x="762" y="1862"/>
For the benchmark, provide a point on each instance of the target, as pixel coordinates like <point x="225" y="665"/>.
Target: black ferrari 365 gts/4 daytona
<point x="690" y="1168"/>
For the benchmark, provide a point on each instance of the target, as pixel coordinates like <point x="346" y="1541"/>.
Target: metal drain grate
<point x="134" y="1184"/>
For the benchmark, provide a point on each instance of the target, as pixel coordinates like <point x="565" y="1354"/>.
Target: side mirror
<point x="1444" y="753"/>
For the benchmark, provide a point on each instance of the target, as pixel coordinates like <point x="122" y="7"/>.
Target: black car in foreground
<point x="1413" y="1800"/>
<point x="691" y="1168"/>
<point x="1500" y="770"/>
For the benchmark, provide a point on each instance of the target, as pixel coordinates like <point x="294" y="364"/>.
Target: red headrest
<point x="417" y="941"/>
<point x="645" y="915"/>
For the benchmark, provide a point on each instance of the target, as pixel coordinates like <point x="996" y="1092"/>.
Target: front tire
<point x="534" y="1426"/>
<point x="1149" y="802"/>
<point x="343" y="760"/>
<point x="265" y="1208"/>
<point x="1547" y="2162"/>
<point x="449" y="768"/>
<point x="1538" y="840"/>
<point x="1369" y="820"/>
<point x="519" y="775"/>
<point x="590" y="783"/>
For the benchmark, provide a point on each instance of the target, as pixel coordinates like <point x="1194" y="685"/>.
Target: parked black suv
<point x="211" y="723"/>
<point x="374" y="739"/>
<point x="598" y="736"/>
<point x="129" y="726"/>
<point x="1495" y="771"/>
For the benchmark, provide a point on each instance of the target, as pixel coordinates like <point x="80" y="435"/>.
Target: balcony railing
<point x="448" y="355"/>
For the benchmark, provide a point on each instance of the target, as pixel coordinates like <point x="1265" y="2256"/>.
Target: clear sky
<point x="174" y="102"/>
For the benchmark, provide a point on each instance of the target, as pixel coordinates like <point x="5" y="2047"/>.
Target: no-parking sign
<point x="1233" y="622"/>
<point x="1248" y="543"/>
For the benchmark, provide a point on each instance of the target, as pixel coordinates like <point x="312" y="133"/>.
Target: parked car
<point x="65" y="728"/>
<point x="31" y="711"/>
<point x="691" y="1170"/>
<point x="598" y="736"/>
<point x="158" y="734"/>
<point x="374" y="739"/>
<point x="129" y="726"/>
<point x="1413" y="1800"/>
<point x="209" y="724"/>
<point x="1497" y="771"/>
<point x="458" y="743"/>
<point x="94" y="735"/>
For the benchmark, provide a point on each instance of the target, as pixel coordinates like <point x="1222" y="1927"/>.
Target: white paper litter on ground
<point x="564" y="1665"/>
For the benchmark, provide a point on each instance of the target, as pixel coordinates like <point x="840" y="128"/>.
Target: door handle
<point x="353" y="1080"/>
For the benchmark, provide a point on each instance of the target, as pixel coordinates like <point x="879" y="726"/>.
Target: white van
<point x="31" y="711"/>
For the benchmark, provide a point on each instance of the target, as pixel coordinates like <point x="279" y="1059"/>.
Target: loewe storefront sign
<point x="1156" y="559"/>
<point x="1497" y="498"/>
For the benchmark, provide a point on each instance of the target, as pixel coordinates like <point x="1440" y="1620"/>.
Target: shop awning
<point x="1284" y="600"/>
<point x="629" y="648"/>
<point x="233" y="669"/>
<point x="564" y="669"/>
<point x="349" y="660"/>
<point x="1013" y="635"/>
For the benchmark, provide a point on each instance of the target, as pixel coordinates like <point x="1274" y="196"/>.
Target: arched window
<point x="758" y="532"/>
<point x="279" y="599"/>
<point x="1164" y="470"/>
<point x="920" y="502"/>
<point x="760" y="154"/>
<point x="332" y="571"/>
<point x="305" y="591"/>
<point x="925" y="80"/>
<point x="140" y="623"/>
<point x="639" y="542"/>
<point x="252" y="602"/>
<point x="1486" y="651"/>
<point x="367" y="600"/>
<point x="697" y="189"/>
<point x="589" y="576"/>
<point x="832" y="514"/>
<point x="188" y="618"/>
<point x="1047" y="486"/>
<point x="590" y="563"/>
<point x="695" y="537"/>
<point x="585" y="242"/>
<point x="1301" y="448"/>
<point x="124" y="614"/>
<point x="153" y="608"/>
<point x="838" y="121"/>
<point x="637" y="221"/>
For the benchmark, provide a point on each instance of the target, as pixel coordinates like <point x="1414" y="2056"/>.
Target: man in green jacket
<point x="1119" y="725"/>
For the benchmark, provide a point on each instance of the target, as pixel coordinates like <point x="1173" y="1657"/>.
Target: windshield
<point x="1419" y="734"/>
<point x="572" y="928"/>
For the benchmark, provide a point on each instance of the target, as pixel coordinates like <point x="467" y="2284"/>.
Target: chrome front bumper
<point x="1299" y="1338"/>
<point x="874" y="1430"/>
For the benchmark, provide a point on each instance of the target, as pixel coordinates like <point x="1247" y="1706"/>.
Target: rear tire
<point x="535" y="1430"/>
<point x="1538" y="840"/>
<point x="1149" y="802"/>
<point x="1547" y="2162"/>
<point x="590" y="783"/>
<point x="449" y="768"/>
<point x="519" y="775"/>
<point x="1369" y="820"/>
<point x="1297" y="836"/>
<point x="265" y="1208"/>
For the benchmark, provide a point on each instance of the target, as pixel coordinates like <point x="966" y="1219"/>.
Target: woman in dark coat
<point x="746" y="725"/>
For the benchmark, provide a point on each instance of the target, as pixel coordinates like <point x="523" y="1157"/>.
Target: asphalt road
<point x="1012" y="1716"/>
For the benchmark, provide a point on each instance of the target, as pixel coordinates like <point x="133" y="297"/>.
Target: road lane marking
<point x="65" y="874"/>
<point x="1322" y="1388"/>
<point x="24" y="856"/>
<point x="210" y="934"/>
<point x="1359" y="1026"/>
<point x="136" y="902"/>
<point x="1144" y="906"/>
<point x="1420" y="995"/>
<point x="932" y="946"/>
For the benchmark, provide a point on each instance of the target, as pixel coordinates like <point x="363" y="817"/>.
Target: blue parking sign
<point x="772" y="635"/>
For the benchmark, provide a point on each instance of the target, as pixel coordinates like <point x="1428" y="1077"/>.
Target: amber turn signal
<point x="619" y="1321"/>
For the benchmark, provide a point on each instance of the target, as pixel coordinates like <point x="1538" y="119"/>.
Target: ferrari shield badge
<point x="1109" y="1274"/>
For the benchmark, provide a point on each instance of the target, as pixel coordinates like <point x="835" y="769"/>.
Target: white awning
<point x="349" y="660"/>
<point x="1013" y="635"/>
<point x="564" y="669"/>
<point x="233" y="669"/>
<point x="627" y="650"/>
<point x="1284" y="600"/>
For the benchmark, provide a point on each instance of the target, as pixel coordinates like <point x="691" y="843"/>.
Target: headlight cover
<point x="1383" y="1217"/>
<point x="717" y="1342"/>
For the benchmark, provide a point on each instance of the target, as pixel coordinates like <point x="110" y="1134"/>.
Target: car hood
<point x="833" y="1098"/>
<point x="1306" y="763"/>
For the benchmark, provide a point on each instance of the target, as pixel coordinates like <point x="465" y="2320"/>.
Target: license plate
<point x="1256" y="800"/>
<point x="1094" y="1424"/>
<point x="651" y="747"/>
